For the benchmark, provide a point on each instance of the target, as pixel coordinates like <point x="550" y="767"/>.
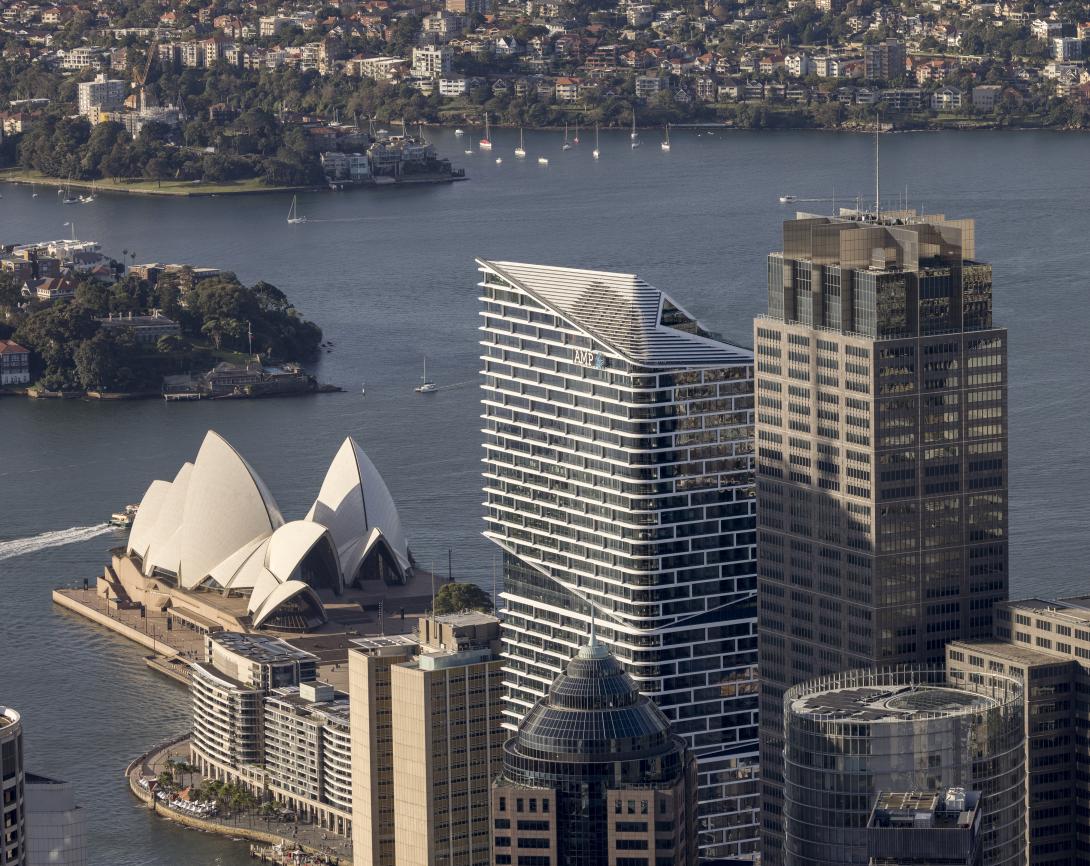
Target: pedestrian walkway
<point x="312" y="838"/>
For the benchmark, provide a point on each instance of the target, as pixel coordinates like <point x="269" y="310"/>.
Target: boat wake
<point x="57" y="538"/>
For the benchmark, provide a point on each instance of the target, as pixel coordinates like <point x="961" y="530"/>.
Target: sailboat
<point x="425" y="386"/>
<point x="666" y="141"/>
<point x="68" y="197"/>
<point x="576" y="139"/>
<point x="597" y="152"/>
<point x="566" y="145"/>
<point x="33" y="191"/>
<point x="88" y="199"/>
<point x="635" y="135"/>
<point x="520" y="151"/>
<point x="293" y="212"/>
<point x="485" y="143"/>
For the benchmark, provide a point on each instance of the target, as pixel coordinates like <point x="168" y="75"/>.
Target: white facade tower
<point x="619" y="480"/>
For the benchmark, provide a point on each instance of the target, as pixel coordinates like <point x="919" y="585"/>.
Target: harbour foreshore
<point x="152" y="762"/>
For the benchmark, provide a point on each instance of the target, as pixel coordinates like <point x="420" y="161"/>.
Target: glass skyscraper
<point x="882" y="456"/>
<point x="618" y="479"/>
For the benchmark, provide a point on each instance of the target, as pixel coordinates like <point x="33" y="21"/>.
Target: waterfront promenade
<point x="326" y="847"/>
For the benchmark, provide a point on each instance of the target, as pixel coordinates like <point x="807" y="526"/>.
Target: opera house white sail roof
<point x="217" y="527"/>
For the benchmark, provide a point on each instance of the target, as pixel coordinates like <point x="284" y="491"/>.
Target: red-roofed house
<point x="14" y="364"/>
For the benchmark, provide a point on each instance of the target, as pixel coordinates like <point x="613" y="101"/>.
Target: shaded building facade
<point x="594" y="777"/>
<point x="619" y="484"/>
<point x="1045" y="644"/>
<point x="881" y="439"/>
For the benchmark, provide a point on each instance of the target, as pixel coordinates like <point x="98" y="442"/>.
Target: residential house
<point x="14" y="364"/>
<point x="985" y="96"/>
<point x="947" y="99"/>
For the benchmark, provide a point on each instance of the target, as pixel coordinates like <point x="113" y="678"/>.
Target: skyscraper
<point x="594" y="777"/>
<point x="619" y="479"/>
<point x="881" y="434"/>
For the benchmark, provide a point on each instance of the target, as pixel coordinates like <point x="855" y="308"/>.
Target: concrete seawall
<point x="154" y="644"/>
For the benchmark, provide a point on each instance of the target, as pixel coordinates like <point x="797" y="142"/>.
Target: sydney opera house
<point x="214" y="548"/>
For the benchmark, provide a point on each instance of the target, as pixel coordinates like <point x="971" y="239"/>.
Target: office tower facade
<point x="308" y="753"/>
<point x="56" y="826"/>
<point x="852" y="735"/>
<point x="594" y="777"/>
<point x="926" y="828"/>
<point x="881" y="436"/>
<point x="12" y="790"/>
<point x="1046" y="645"/>
<point x="228" y="691"/>
<point x="448" y="734"/>
<point x="370" y="711"/>
<point x="619" y="481"/>
<point x="40" y="823"/>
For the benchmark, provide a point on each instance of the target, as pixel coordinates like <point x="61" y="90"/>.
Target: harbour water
<point x="389" y="276"/>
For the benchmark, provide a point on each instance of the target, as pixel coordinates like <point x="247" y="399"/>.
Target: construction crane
<point x="140" y="76"/>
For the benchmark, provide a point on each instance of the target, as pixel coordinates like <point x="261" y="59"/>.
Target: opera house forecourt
<point x="213" y="548"/>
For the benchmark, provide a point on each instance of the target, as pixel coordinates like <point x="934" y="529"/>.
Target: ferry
<point x="125" y="517"/>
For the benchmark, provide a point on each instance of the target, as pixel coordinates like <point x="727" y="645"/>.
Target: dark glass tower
<point x="881" y="457"/>
<point x="594" y="775"/>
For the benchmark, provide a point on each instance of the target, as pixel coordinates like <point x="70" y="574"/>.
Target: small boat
<point x="125" y="517"/>
<point x="520" y="151"/>
<point x="485" y="143"/>
<point x="382" y="132"/>
<point x="575" y="140"/>
<point x="596" y="152"/>
<point x="566" y="145"/>
<point x="784" y="199"/>
<point x="666" y="141"/>
<point x="469" y="151"/>
<point x="459" y="132"/>
<point x="293" y="212"/>
<point x="426" y="386"/>
<point x="499" y="160"/>
<point x="363" y="389"/>
<point x="542" y="161"/>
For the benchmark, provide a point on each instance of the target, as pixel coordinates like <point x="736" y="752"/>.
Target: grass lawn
<point x="148" y="187"/>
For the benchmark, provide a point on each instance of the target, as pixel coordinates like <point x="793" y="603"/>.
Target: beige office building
<point x="1046" y="645"/>
<point x="427" y="739"/>
<point x="371" y="726"/>
<point x="448" y="742"/>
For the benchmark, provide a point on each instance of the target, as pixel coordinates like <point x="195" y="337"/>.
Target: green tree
<point x="456" y="597"/>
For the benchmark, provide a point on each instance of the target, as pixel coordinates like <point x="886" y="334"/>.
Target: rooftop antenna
<point x="877" y="200"/>
<point x="593" y="629"/>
